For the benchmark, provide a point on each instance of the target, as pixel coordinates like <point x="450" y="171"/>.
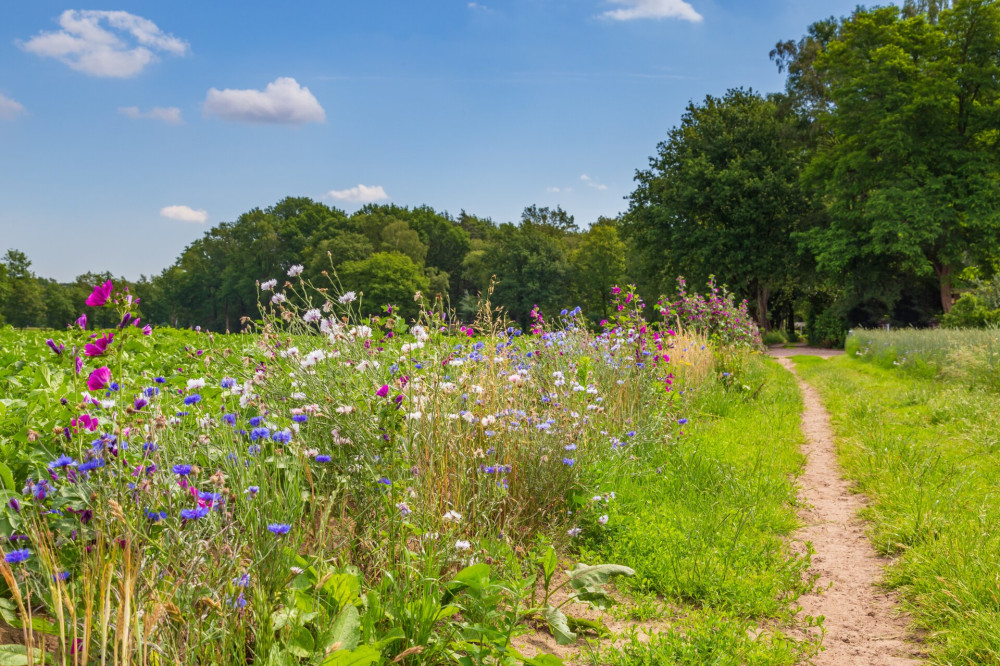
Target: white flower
<point x="278" y="298"/>
<point x="107" y="404"/>
<point x="269" y="285"/>
<point x="295" y="270"/>
<point x="311" y="316"/>
<point x="452" y="517"/>
<point x="361" y="332"/>
<point x="413" y="416"/>
<point x="348" y="297"/>
<point x="346" y="409"/>
<point x="419" y="333"/>
<point x="462" y="545"/>
<point x="298" y="396"/>
<point x="196" y="383"/>
<point x="603" y="520"/>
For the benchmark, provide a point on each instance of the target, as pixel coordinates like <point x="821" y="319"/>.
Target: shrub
<point x="716" y="315"/>
<point x="774" y="337"/>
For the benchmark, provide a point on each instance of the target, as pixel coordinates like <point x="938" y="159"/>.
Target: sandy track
<point x="862" y="624"/>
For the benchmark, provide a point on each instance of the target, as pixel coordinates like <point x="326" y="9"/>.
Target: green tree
<point x="598" y="265"/>
<point x="25" y="302"/>
<point x="909" y="163"/>
<point x="385" y="278"/>
<point x="722" y="197"/>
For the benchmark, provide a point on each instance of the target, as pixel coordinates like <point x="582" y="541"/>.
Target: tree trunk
<point x="943" y="272"/>
<point x="763" y="293"/>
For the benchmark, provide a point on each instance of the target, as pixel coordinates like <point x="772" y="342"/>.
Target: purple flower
<point x="147" y="330"/>
<point x="14" y="504"/>
<point x="17" y="556"/>
<point x="300" y="418"/>
<point x="568" y="462"/>
<point x="100" y="295"/>
<point x="99" y="378"/>
<point x="82" y="322"/>
<point x="58" y="349"/>
<point x="382" y="392"/>
<point x="279" y="529"/>
<point x="182" y="470"/>
<point x="322" y="458"/>
<point x="139" y="403"/>
<point x="62" y="462"/>
<point x="682" y="421"/>
<point x="192" y="399"/>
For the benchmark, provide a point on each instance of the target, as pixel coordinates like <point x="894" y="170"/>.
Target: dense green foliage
<point x="923" y="450"/>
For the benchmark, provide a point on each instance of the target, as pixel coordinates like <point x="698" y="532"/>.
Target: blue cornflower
<point x="192" y="399"/>
<point x="300" y="418"/>
<point x="259" y="433"/>
<point x="182" y="470"/>
<point x="62" y="575"/>
<point x="150" y="447"/>
<point x="568" y="462"/>
<point x="151" y="391"/>
<point x="91" y="465"/>
<point x="279" y="529"/>
<point x="194" y="514"/>
<point x="228" y="383"/>
<point x="242" y="581"/>
<point x="282" y="436"/>
<point x="322" y="458"/>
<point x="385" y="481"/>
<point x="630" y="433"/>
<point x="253" y="490"/>
<point x="229" y="418"/>
<point x="570" y="447"/>
<point x="682" y="421"/>
<point x="255" y="421"/>
<point x="155" y="516"/>
<point x="62" y="461"/>
<point x="17" y="556"/>
<point x="159" y="380"/>
<point x="206" y="496"/>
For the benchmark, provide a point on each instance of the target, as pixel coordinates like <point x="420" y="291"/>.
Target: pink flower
<point x="100" y="295"/>
<point x="99" y="378"/>
<point x="85" y="422"/>
<point x="79" y="364"/>
<point x="147" y="330"/>
<point x="382" y="392"/>
<point x="99" y="346"/>
<point x="82" y="321"/>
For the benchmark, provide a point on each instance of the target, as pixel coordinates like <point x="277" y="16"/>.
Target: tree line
<point x="866" y="192"/>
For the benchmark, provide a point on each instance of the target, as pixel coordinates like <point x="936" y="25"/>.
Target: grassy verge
<point x="701" y="520"/>
<point x="926" y="452"/>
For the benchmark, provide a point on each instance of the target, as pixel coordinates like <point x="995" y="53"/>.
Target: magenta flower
<point x="382" y="392"/>
<point x="79" y="364"/>
<point x="99" y="346"/>
<point x="99" y="378"/>
<point x="147" y="329"/>
<point x="100" y="295"/>
<point x="82" y="321"/>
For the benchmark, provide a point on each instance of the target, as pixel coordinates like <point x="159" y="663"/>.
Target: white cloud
<point x="284" y="101"/>
<point x="121" y="49"/>
<point x="653" y="9"/>
<point x="360" y="194"/>
<point x="9" y="109"/>
<point x="552" y="190"/>
<point x="482" y="8"/>
<point x="592" y="183"/>
<point x="168" y="114"/>
<point x="585" y="178"/>
<point x="184" y="214"/>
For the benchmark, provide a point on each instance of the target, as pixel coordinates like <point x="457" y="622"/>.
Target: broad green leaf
<point x="549" y="562"/>
<point x="363" y="656"/>
<point x="301" y="643"/>
<point x="559" y="625"/>
<point x="343" y="588"/>
<point x="17" y="655"/>
<point x="6" y="477"/>
<point x="590" y="578"/>
<point x="346" y="629"/>
<point x="542" y="660"/>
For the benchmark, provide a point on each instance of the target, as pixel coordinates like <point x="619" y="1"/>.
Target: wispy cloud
<point x="360" y="194"/>
<point x="591" y="183"/>
<point x="478" y="7"/>
<point x="652" y="9"/>
<point x="184" y="214"/>
<point x="168" y="114"/>
<point x="282" y="102"/>
<point x="103" y="43"/>
<point x="9" y="109"/>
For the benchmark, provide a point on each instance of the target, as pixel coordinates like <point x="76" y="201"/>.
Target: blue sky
<point x="126" y="134"/>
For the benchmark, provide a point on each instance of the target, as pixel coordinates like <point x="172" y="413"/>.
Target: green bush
<point x="775" y="337"/>
<point x="971" y="311"/>
<point x="826" y="328"/>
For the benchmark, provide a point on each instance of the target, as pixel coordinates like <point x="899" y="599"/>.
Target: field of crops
<point x="326" y="489"/>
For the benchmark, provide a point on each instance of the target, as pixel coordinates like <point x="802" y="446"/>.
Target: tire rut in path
<point x="862" y="625"/>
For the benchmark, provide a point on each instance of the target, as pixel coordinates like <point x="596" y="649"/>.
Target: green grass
<point x="702" y="521"/>
<point x="926" y="453"/>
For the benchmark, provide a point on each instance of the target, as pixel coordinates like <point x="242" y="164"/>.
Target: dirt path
<point x="861" y="622"/>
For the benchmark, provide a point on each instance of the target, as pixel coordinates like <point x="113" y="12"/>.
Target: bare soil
<point x="863" y="625"/>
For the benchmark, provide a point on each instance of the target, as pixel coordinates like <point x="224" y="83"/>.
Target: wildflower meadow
<point x="331" y="488"/>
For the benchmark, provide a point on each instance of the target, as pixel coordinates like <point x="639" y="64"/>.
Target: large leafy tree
<point x="906" y="162"/>
<point x="722" y="196"/>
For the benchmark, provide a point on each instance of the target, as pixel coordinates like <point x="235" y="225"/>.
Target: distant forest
<point x="867" y="192"/>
